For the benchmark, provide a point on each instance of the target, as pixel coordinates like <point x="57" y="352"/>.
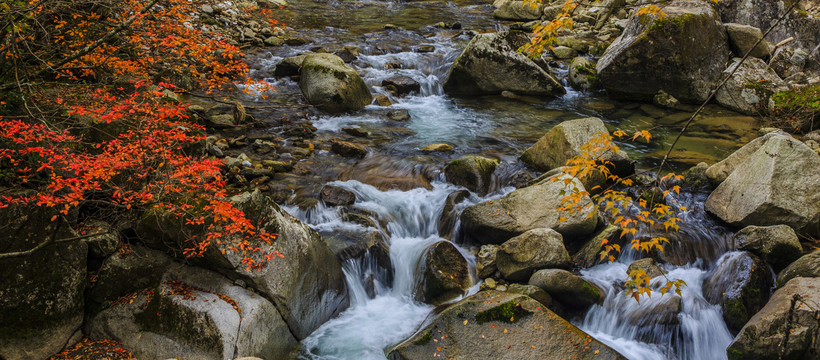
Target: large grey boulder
<point x="721" y="170"/>
<point x="307" y="286"/>
<point x="535" y="249"/>
<point x="567" y="288"/>
<point x="777" y="185"/>
<point x="741" y="284"/>
<point x="778" y="245"/>
<point x="743" y="38"/>
<point x="566" y="141"/>
<point x="806" y="266"/>
<point x="525" y="329"/>
<point x="532" y="207"/>
<point x="518" y="11"/>
<point x="786" y="328"/>
<point x="682" y="53"/>
<point x="491" y="64"/>
<point x="195" y="314"/>
<point x="473" y="172"/>
<point x="331" y="85"/>
<point x="443" y="274"/>
<point x="751" y="86"/>
<point x="41" y="294"/>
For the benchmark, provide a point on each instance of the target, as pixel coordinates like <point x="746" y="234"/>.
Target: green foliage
<point x="795" y="109"/>
<point x="424" y="339"/>
<point x="506" y="312"/>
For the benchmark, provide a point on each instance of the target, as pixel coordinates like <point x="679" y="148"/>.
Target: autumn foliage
<point x="654" y="213"/>
<point x="88" y="116"/>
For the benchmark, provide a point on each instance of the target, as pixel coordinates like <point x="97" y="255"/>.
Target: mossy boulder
<point x="473" y="172"/>
<point x="491" y="64"/>
<point x="778" y="245"/>
<point x="443" y="274"/>
<point x="569" y="289"/>
<point x="786" y="328"/>
<point x="532" y="207"/>
<point x="41" y="295"/>
<point x="741" y="284"/>
<point x="331" y="85"/>
<point x="535" y="249"/>
<point x="583" y="75"/>
<point x="518" y="11"/>
<point x="566" y="141"/>
<point x="524" y="329"/>
<point x="682" y="52"/>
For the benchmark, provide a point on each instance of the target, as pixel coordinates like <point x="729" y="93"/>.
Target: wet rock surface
<point x="527" y="326"/>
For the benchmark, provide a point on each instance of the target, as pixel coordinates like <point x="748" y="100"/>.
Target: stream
<point x="491" y="126"/>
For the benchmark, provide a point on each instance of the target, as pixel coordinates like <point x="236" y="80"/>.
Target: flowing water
<point x="383" y="311"/>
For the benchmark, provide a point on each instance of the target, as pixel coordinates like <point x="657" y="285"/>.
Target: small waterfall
<point x="669" y="326"/>
<point x="372" y="324"/>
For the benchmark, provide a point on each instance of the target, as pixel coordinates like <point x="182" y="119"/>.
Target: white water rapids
<point x="370" y="326"/>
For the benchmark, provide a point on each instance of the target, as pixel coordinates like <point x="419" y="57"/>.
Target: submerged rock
<point x="741" y="284"/>
<point x="329" y="84"/>
<point x="473" y="172"/>
<point x="491" y="64"/>
<point x="532" y="207"/>
<point x="525" y="329"/>
<point x="535" y="249"/>
<point x="443" y="274"/>
<point x="774" y="186"/>
<point x="682" y="53"/>
<point x="786" y="328"/>
<point x="401" y="85"/>
<point x="336" y="196"/>
<point x="566" y="140"/>
<point x="778" y="245"/>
